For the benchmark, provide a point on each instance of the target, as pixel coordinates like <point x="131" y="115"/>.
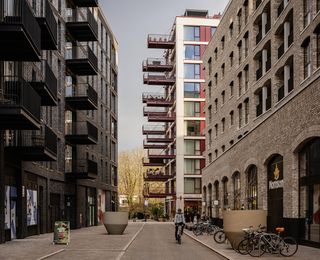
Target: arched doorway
<point x="309" y="182"/>
<point x="275" y="192"/>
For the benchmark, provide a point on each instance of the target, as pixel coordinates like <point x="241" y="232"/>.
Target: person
<point x="179" y="220"/>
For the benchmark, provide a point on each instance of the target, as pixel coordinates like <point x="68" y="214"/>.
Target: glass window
<point x="252" y="192"/>
<point x="191" y="90"/>
<point x="225" y="192"/>
<point x="307" y="58"/>
<point x="236" y="191"/>
<point x="192" y="71"/>
<point x="192" y="52"/>
<point x="192" y="109"/>
<point x="192" y="166"/>
<point x="192" y="185"/>
<point x="192" y="128"/>
<point x="307" y="12"/>
<point x="192" y="147"/>
<point x="191" y="33"/>
<point x="213" y="30"/>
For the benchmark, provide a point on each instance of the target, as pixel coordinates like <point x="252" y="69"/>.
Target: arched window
<point x="252" y="184"/>
<point x="236" y="191"/>
<point x="210" y="200"/>
<point x="225" y="192"/>
<point x="216" y="198"/>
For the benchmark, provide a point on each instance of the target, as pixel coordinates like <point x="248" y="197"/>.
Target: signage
<point x="216" y="202"/>
<point x="61" y="233"/>
<point x="276" y="183"/>
<point x="203" y="203"/>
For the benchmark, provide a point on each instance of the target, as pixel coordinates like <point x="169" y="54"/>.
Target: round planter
<point x="235" y="220"/>
<point x="115" y="222"/>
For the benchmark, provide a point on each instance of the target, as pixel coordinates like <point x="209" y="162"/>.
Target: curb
<point x="207" y="246"/>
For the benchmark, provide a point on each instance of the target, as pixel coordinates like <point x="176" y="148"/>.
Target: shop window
<point x="225" y="193"/>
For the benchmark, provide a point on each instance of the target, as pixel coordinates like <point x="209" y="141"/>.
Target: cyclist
<point x="179" y="220"/>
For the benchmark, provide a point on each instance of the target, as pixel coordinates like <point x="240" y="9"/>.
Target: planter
<point x="115" y="222"/>
<point x="235" y="220"/>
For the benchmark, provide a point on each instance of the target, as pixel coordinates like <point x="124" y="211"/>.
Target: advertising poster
<point x="13" y="220"/>
<point x="101" y="205"/>
<point x="7" y="208"/>
<point x="32" y="208"/>
<point x="61" y="233"/>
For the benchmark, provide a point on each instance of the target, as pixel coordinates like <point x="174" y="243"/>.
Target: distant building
<point x="175" y="134"/>
<point x="262" y="114"/>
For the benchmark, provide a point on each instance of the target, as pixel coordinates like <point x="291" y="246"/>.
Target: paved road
<point x="156" y="241"/>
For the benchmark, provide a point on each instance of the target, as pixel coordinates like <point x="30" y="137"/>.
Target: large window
<point x="192" y="33"/>
<point x="192" y="166"/>
<point x="306" y="12"/>
<point x="191" y="90"/>
<point x="192" y="109"/>
<point x="192" y="128"/>
<point x="225" y="193"/>
<point x="252" y="188"/>
<point x="192" y="71"/>
<point x="192" y="52"/>
<point x="192" y="185"/>
<point x="307" y="58"/>
<point x="236" y="191"/>
<point x="192" y="147"/>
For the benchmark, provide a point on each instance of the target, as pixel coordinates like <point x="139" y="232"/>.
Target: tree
<point x="131" y="175"/>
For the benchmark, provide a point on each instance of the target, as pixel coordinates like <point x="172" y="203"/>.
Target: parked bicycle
<point x="205" y="228"/>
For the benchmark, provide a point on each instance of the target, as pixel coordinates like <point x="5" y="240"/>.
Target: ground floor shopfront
<point x="191" y="207"/>
<point x="275" y="167"/>
<point x="32" y="203"/>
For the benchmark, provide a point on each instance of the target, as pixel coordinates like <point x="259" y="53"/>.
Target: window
<point x="210" y="113"/>
<point x="192" y="128"/>
<point x="192" y="109"/>
<point x="307" y="12"/>
<point x="192" y="166"/>
<point x="246" y="44"/>
<point x="231" y="30"/>
<point x="245" y="11"/>
<point x="318" y="5"/>
<point x="216" y="79"/>
<point x="192" y="71"/>
<point x="231" y="59"/>
<point x="318" y="47"/>
<point x="239" y="18"/>
<point x="252" y="191"/>
<point x="210" y="137"/>
<point x="223" y="148"/>
<point x="223" y="123"/>
<point x="246" y="111"/>
<point x="231" y="89"/>
<point x="216" y="153"/>
<point x="223" y="97"/>
<point x="236" y="191"/>
<point x="222" y="69"/>
<point x="231" y="118"/>
<point x="225" y="192"/>
<point x="213" y="30"/>
<point x="191" y="90"/>
<point x="246" y="77"/>
<point x="307" y="58"/>
<point x="216" y="105"/>
<point x="192" y="52"/>
<point x="191" y="33"/>
<point x="222" y="43"/>
<point x="215" y="53"/>
<point x="216" y="130"/>
<point x="240" y="52"/>
<point x="210" y="66"/>
<point x="240" y="115"/>
<point x="210" y="157"/>
<point x="192" y="185"/>
<point x="240" y="83"/>
<point x="192" y="147"/>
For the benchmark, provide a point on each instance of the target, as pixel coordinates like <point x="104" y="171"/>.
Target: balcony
<point x="20" y="32"/>
<point x="156" y="65"/>
<point x="49" y="30"/>
<point x="156" y="176"/>
<point x="46" y="85"/>
<point x="152" y="79"/>
<point x="153" y="130"/>
<point x="158" y="41"/>
<point x="156" y="100"/>
<point x="82" y="97"/>
<point x="82" y="26"/>
<point x="81" y="169"/>
<point x="81" y="61"/>
<point x="30" y="145"/>
<point x="153" y="162"/>
<point x="161" y="156"/>
<point x="81" y="133"/>
<point x="19" y="104"/>
<point x="154" y="146"/>
<point x="155" y="116"/>
<point x="159" y="139"/>
<point x="86" y="3"/>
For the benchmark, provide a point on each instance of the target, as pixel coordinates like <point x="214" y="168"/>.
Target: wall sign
<point x="277" y="181"/>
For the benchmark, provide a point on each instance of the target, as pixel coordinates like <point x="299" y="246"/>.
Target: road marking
<point x="52" y="254"/>
<point x="129" y="243"/>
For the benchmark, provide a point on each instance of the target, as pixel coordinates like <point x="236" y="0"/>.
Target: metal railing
<point x="156" y="62"/>
<point x="82" y="90"/>
<point x="19" y="12"/>
<point x="51" y="21"/>
<point x="154" y="96"/>
<point x="82" y="128"/>
<point x="85" y="165"/>
<point x="159" y="38"/>
<point x="16" y="92"/>
<point x="82" y="52"/>
<point x="148" y="76"/>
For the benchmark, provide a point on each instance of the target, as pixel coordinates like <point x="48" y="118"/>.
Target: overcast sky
<point x="131" y="21"/>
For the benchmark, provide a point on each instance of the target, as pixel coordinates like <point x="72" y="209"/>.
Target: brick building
<point x="262" y="112"/>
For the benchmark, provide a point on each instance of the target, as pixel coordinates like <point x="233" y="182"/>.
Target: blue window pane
<point x="213" y="30"/>
<point x="192" y="52"/>
<point x="192" y="33"/>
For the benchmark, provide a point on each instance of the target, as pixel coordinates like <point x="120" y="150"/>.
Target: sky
<point x="131" y="21"/>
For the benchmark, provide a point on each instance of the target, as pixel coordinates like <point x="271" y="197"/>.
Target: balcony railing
<point x="154" y="79"/>
<point x="82" y="25"/>
<point x="160" y="41"/>
<point x="156" y="100"/>
<point x="30" y="145"/>
<point x="19" y="104"/>
<point x="156" y="65"/>
<point x="20" y="32"/>
<point x="82" y="169"/>
<point x="280" y="50"/>
<point x="81" y="60"/>
<point x="155" y="130"/>
<point x="82" y="97"/>
<point x="81" y="133"/>
<point x="156" y="175"/>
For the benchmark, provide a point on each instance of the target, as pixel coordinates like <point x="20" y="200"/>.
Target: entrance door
<point x="54" y="209"/>
<point x="275" y="193"/>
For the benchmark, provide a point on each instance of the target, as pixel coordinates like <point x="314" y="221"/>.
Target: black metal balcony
<point x="152" y="79"/>
<point x="156" y="100"/>
<point x="281" y="93"/>
<point x="82" y="26"/>
<point x="258" y="73"/>
<point x="280" y="50"/>
<point x="46" y="85"/>
<point x="81" y="133"/>
<point x="156" y="65"/>
<point x="153" y="130"/>
<point x="259" y="109"/>
<point x="82" y="97"/>
<point x="32" y="145"/>
<point x="81" y="61"/>
<point x="20" y="32"/>
<point x="49" y="29"/>
<point x="86" y="3"/>
<point x="82" y="169"/>
<point x="158" y="41"/>
<point x="19" y="104"/>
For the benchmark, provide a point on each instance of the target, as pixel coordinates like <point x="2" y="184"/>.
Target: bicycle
<point x="250" y="234"/>
<point x="179" y="233"/>
<point x="219" y="236"/>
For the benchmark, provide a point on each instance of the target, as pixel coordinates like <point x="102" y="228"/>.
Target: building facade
<point x="175" y="136"/>
<point x="58" y="115"/>
<point x="262" y="111"/>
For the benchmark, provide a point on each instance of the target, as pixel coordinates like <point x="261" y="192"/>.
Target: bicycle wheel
<point x="242" y="247"/>
<point x="288" y="246"/>
<point x="219" y="237"/>
<point x="256" y="248"/>
<point x="179" y="239"/>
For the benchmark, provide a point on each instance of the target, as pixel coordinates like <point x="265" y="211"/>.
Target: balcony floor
<point x="32" y="153"/>
<point x="81" y="103"/>
<point x="81" y="67"/>
<point x="80" y="139"/>
<point x="82" y="31"/>
<point x="16" y="118"/>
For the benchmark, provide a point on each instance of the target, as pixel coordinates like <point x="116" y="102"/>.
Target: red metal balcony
<point x="156" y="100"/>
<point x="154" y="146"/>
<point x="153" y="130"/>
<point x="159" y="139"/>
<point x="156" y="65"/>
<point x="153" y="162"/>
<point x="158" y="41"/>
<point x="158" y="195"/>
<point x="154" y="79"/>
<point x="161" y="156"/>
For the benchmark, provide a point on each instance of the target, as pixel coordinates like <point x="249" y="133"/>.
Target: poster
<point x="32" y="208"/>
<point x="61" y="233"/>
<point x="13" y="220"/>
<point x="101" y="205"/>
<point x="7" y="208"/>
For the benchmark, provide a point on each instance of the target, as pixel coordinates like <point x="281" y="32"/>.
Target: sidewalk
<point x="84" y="240"/>
<point x="225" y="250"/>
